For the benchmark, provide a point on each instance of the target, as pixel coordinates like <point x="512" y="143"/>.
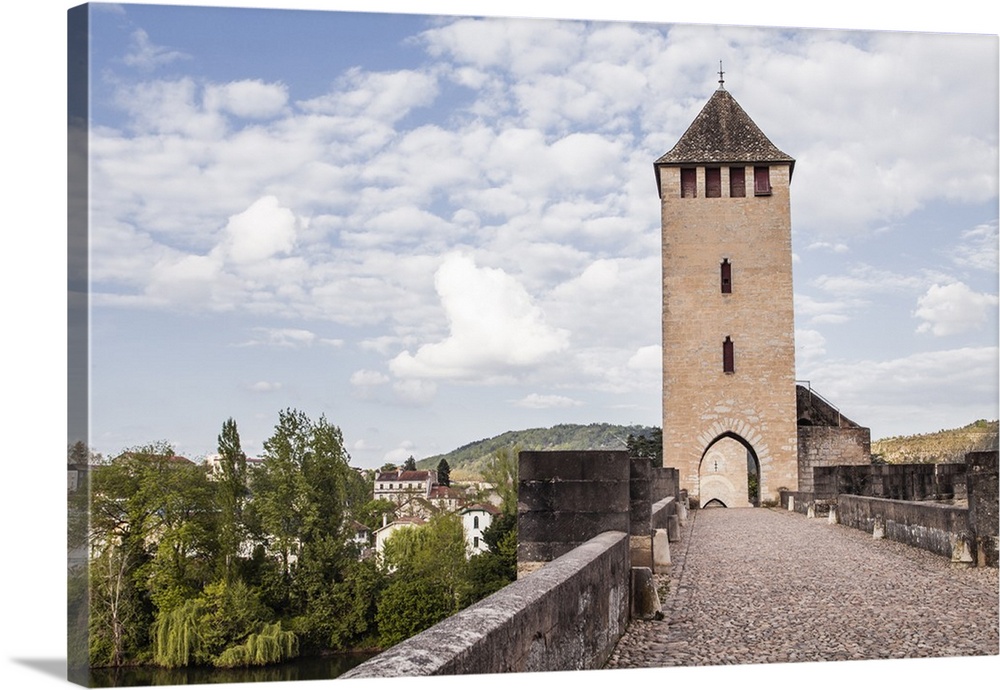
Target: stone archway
<point x="729" y="473"/>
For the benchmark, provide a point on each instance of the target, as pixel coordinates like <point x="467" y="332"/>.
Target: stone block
<point x="661" y="551"/>
<point x="558" y="495"/>
<point x="641" y="551"/>
<point x="645" y="599"/>
<point x="612" y="465"/>
<point x="572" y="527"/>
<point x="673" y="528"/>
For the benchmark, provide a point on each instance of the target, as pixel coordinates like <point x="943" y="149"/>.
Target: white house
<point x="475" y="519"/>
<point x="398" y="485"/>
<point x="386" y="531"/>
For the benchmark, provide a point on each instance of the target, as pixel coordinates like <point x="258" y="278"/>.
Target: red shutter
<point x="761" y="180"/>
<point x="728" y="363"/>
<point x="713" y="182"/>
<point x="689" y="184"/>
<point x="737" y="182"/>
<point x="727" y="276"/>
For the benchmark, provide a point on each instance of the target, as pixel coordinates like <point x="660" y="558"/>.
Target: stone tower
<point x="728" y="324"/>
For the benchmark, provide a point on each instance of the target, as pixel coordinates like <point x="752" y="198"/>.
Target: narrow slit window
<point x="737" y="182"/>
<point x="689" y="183"/>
<point x="726" y="274"/>
<point x="761" y="180"/>
<point x="728" y="363"/>
<point x="713" y="182"/>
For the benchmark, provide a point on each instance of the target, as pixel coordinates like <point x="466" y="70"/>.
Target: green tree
<point x="407" y="607"/>
<point x="177" y="636"/>
<point x="444" y="473"/>
<point x="372" y="512"/>
<point x="648" y="446"/>
<point x="232" y="489"/>
<point x="496" y="567"/>
<point x="355" y="599"/>
<point x="410" y="464"/>
<point x="269" y="646"/>
<point x="185" y="529"/>
<point x="139" y="532"/>
<point x="427" y="577"/>
<point x="232" y="611"/>
<point x="280" y="502"/>
<point x="306" y="495"/>
<point x="501" y="472"/>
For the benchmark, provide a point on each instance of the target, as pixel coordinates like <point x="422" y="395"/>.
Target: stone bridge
<point x="758" y="585"/>
<point x="615" y="573"/>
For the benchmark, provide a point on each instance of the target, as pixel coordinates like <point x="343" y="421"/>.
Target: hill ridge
<point x="946" y="445"/>
<point x="471" y="457"/>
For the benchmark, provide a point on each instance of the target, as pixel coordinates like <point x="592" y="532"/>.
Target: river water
<point x="315" y="668"/>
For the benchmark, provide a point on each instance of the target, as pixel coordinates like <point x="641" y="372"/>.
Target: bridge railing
<point x="566" y="615"/>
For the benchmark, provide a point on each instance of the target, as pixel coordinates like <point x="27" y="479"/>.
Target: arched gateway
<point x="729" y="396"/>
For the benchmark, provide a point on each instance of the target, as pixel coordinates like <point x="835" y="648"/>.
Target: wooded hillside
<point x="947" y="445"/>
<point x="469" y="460"/>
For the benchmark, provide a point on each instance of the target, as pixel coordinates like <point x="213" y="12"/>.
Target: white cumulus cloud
<point x="495" y="326"/>
<point x="954" y="308"/>
<point x="535" y="401"/>
<point x="146" y="55"/>
<point x="647" y="358"/>
<point x="260" y="232"/>
<point x="365" y="377"/>
<point x="249" y="98"/>
<point x="265" y="386"/>
<point x="289" y="338"/>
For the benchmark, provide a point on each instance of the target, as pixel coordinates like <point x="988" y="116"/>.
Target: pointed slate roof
<point x="723" y="133"/>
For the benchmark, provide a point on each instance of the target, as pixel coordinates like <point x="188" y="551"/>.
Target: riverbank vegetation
<point x="254" y="563"/>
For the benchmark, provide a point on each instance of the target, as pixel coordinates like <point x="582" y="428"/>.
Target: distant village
<point x="415" y="494"/>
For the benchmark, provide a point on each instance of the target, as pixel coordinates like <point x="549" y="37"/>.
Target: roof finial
<point x="722" y="82"/>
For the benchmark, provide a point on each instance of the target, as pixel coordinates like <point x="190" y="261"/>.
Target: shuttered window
<point x="761" y="180"/>
<point x="728" y="363"/>
<point x="726" y="271"/>
<point x="689" y="183"/>
<point x="713" y="182"/>
<point x="737" y="182"/>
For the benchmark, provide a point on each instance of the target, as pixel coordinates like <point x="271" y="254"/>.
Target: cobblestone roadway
<point x="766" y="585"/>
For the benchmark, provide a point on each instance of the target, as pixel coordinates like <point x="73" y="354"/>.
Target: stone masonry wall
<point x="567" y="615"/>
<point x="701" y="402"/>
<point x="912" y="482"/>
<point x="929" y="526"/>
<point x="565" y="498"/>
<point x="823" y="446"/>
<point x="982" y="481"/>
<point x="664" y="482"/>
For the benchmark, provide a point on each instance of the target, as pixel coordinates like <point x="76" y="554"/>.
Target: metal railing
<point x="808" y="387"/>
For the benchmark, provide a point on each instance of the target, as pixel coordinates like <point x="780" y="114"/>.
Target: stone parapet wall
<point x="929" y="526"/>
<point x="664" y="481"/>
<point x="661" y="512"/>
<point x="567" y="615"/>
<point x="823" y="446"/>
<point x="912" y="482"/>
<point x="806" y="503"/>
<point x="640" y="494"/>
<point x="984" y="505"/>
<point x="565" y="498"/>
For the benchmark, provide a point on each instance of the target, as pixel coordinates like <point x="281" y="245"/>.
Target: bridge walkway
<point x="759" y="585"/>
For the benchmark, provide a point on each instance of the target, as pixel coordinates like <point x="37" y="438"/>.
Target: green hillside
<point x="469" y="460"/>
<point x="947" y="445"/>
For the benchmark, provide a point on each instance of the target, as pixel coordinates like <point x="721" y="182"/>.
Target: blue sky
<point x="863" y="281"/>
<point x="435" y="229"/>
